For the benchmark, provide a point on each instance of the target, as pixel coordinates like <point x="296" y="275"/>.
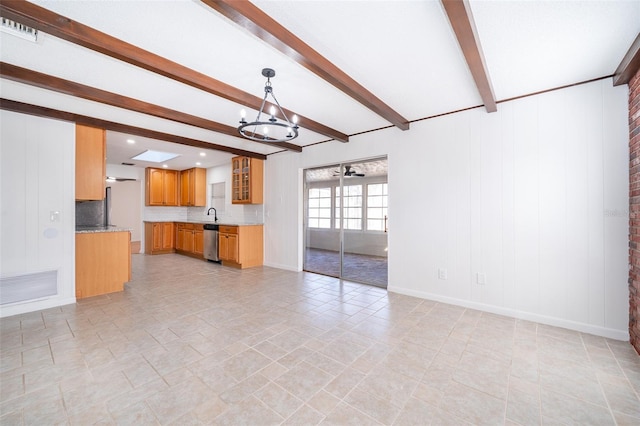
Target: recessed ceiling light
<point x="155" y="156"/>
<point x="203" y="154"/>
<point x="198" y="163"/>
<point x="130" y="141"/>
<point x="165" y="166"/>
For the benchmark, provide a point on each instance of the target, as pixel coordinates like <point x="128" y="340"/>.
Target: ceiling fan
<point x="348" y="172"/>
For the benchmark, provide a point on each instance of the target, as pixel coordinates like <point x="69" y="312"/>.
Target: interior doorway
<point x="346" y="221"/>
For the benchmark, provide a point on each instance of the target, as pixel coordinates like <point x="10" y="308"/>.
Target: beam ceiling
<point x="62" y="27"/>
<point x="44" y="81"/>
<point x="461" y="19"/>
<point x="258" y="23"/>
<point x="629" y="65"/>
<point x="40" y="111"/>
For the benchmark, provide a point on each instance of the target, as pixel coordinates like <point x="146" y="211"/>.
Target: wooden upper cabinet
<point x="91" y="169"/>
<point x="161" y="187"/>
<point x="246" y="180"/>
<point x="193" y="187"/>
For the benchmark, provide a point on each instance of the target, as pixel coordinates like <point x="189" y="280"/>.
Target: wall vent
<point x="19" y="30"/>
<point x="28" y="287"/>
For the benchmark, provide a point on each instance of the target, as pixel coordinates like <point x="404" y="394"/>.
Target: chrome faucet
<point x="215" y="214"/>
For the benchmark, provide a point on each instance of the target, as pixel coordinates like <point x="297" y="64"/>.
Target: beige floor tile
<point x="323" y="402"/>
<point x="377" y="408"/>
<point x="178" y="400"/>
<point x="304" y="380"/>
<point x="305" y="416"/>
<point x="278" y="399"/>
<point x="345" y="382"/>
<point x="245" y="364"/>
<point x="416" y="413"/>
<point x="569" y="410"/>
<point x="244" y="389"/>
<point x="249" y="412"/>
<point x="472" y="405"/>
<point x="191" y="342"/>
<point x="345" y="414"/>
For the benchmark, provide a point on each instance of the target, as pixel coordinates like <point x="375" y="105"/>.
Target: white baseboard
<point x="280" y="266"/>
<point x="514" y="313"/>
<point x="34" y="305"/>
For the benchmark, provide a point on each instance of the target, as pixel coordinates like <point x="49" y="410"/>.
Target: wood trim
<point x="629" y="65"/>
<point x="62" y="27"/>
<point x="461" y="19"/>
<point x="40" y="111"/>
<point x="49" y="82"/>
<point x="261" y="25"/>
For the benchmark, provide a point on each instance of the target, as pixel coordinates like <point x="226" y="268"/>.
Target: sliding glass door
<point x="346" y="221"/>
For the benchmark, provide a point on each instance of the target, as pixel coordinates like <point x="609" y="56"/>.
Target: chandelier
<point x="271" y="129"/>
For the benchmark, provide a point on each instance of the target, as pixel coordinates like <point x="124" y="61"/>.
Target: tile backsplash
<point x="89" y="213"/>
<point x="231" y="214"/>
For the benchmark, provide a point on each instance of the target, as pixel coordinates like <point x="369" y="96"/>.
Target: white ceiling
<point x="404" y="52"/>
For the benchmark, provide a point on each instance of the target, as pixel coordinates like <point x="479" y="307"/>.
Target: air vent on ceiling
<point x="128" y="164"/>
<point x="19" y="30"/>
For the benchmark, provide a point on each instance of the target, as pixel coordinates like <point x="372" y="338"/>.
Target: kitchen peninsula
<point x="103" y="260"/>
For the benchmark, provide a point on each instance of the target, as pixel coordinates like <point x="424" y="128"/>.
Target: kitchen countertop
<point x="100" y="228"/>
<point x="203" y="222"/>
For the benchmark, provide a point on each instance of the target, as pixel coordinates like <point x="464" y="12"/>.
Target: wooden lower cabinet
<point x="190" y="239"/>
<point x="241" y="246"/>
<point x="103" y="263"/>
<point x="159" y="237"/>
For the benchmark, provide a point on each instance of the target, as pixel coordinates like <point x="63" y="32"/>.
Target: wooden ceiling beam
<point x="62" y="27"/>
<point x="630" y="64"/>
<point x="461" y="19"/>
<point x="41" y="111"/>
<point x="258" y="23"/>
<point x="49" y="82"/>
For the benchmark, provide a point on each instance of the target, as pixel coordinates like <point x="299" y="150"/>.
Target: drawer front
<point x="198" y="227"/>
<point x="228" y="229"/>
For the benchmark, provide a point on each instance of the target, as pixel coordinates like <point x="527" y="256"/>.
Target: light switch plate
<point x="442" y="274"/>
<point x="481" y="278"/>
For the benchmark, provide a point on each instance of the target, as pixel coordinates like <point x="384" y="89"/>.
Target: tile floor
<point x="190" y="342"/>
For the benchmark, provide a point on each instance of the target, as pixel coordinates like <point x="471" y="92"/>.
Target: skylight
<point x="155" y="156"/>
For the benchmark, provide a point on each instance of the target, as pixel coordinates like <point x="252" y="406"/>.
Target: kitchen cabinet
<point x="91" y="160"/>
<point x="103" y="262"/>
<point x="159" y="237"/>
<point x="193" y="189"/>
<point x="161" y="187"/>
<point x="246" y="180"/>
<point x="241" y="246"/>
<point x="190" y="239"/>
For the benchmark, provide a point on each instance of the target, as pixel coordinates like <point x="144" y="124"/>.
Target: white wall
<point x="37" y="163"/>
<point x="534" y="196"/>
<point x="125" y="206"/>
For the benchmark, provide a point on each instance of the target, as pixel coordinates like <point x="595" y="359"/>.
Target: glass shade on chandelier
<point x="270" y="129"/>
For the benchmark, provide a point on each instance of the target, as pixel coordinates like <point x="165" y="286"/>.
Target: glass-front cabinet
<point x="246" y="180"/>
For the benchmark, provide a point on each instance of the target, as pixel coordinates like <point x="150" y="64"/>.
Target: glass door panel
<point x="322" y="237"/>
<point x="346" y="218"/>
<point x="364" y="209"/>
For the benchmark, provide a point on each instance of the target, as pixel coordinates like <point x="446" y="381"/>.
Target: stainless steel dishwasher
<point x="210" y="238"/>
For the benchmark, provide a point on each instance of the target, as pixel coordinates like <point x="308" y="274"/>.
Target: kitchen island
<point x="103" y="260"/>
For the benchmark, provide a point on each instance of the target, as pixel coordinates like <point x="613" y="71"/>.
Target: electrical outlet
<point x="481" y="278"/>
<point x="442" y="274"/>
